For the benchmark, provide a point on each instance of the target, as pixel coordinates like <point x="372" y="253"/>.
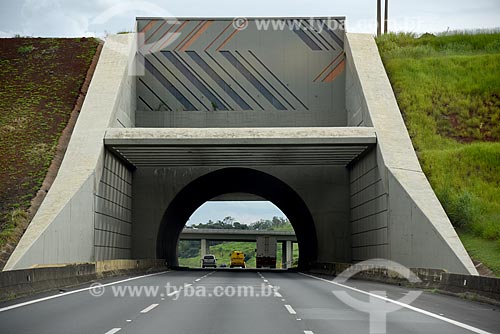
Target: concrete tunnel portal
<point x="236" y="180"/>
<point x="313" y="128"/>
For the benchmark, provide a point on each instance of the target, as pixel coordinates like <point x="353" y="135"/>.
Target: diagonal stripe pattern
<point x="209" y="64"/>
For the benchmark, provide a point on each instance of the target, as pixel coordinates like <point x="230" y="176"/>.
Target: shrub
<point x="25" y="49"/>
<point x="463" y="208"/>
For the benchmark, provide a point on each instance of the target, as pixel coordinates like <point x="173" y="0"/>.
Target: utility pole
<point x="379" y="17"/>
<point x="386" y="15"/>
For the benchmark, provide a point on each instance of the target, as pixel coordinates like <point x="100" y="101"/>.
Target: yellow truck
<point x="237" y="259"/>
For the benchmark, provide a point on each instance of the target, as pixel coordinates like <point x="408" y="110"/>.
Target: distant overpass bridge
<point x="286" y="238"/>
<point x="234" y="235"/>
<point x="302" y="117"/>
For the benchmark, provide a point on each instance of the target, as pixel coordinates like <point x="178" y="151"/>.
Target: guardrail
<point x="481" y="288"/>
<point x="17" y="283"/>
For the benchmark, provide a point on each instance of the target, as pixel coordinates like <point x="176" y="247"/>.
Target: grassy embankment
<point x="448" y="89"/>
<point x="41" y="81"/>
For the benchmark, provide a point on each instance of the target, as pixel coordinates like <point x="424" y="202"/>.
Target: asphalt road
<point x="230" y="301"/>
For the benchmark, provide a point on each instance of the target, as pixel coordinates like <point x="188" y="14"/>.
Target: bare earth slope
<point x="42" y="85"/>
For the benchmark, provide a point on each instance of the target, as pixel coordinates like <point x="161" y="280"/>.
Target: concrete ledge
<point x="485" y="289"/>
<point x="24" y="282"/>
<point x="234" y="136"/>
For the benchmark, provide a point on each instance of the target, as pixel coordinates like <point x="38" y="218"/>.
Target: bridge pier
<point x="286" y="254"/>
<point x="205" y="247"/>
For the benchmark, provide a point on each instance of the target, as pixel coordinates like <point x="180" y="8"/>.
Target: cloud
<point x="7" y="34"/>
<point x="245" y="212"/>
<point x="56" y="20"/>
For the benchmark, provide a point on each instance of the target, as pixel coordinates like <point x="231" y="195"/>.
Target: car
<point x="209" y="261"/>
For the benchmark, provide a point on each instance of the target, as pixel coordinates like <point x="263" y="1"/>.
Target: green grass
<point x="486" y="250"/>
<point x="448" y="89"/>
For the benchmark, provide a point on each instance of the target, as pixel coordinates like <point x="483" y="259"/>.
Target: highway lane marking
<point x="413" y="308"/>
<point x="113" y="331"/>
<point x="7" y="308"/>
<point x="197" y="280"/>
<point x="290" y="309"/>
<point x="308" y="332"/>
<point x="149" y="308"/>
<point x="277" y="294"/>
<point x="170" y="294"/>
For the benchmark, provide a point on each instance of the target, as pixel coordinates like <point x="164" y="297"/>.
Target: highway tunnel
<point x="236" y="180"/>
<point x="307" y="178"/>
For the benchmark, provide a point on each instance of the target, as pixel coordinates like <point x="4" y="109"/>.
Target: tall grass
<point x="448" y="89"/>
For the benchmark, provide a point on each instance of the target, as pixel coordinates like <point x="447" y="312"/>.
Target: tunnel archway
<point x="236" y="180"/>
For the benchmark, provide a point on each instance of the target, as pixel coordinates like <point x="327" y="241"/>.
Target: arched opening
<point x="236" y="180"/>
<point x="238" y="223"/>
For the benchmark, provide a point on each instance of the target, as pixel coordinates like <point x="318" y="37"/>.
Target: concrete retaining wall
<point x="113" y="211"/>
<point x="418" y="232"/>
<point x="369" y="209"/>
<point x="16" y="283"/>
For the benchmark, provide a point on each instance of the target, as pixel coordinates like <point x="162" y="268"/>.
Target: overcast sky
<point x="245" y="212"/>
<point x="43" y="18"/>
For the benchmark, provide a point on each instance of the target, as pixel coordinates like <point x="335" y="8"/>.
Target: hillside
<point x="448" y="89"/>
<point x="42" y="87"/>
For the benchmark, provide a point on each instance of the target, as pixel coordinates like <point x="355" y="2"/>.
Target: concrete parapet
<point x="472" y="286"/>
<point x="479" y="288"/>
<point x="125" y="264"/>
<point x="22" y="282"/>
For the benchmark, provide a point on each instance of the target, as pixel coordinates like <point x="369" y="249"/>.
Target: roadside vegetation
<point x="189" y="250"/>
<point x="41" y="82"/>
<point x="448" y="89"/>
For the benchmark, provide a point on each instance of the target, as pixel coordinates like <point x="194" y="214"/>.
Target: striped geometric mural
<point x="226" y="64"/>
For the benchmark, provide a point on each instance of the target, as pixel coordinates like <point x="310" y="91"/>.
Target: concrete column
<point x="204" y="247"/>
<point x="283" y="255"/>
<point x="289" y="254"/>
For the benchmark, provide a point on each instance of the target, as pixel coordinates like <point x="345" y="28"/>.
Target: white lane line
<point x="170" y="294"/>
<point x="265" y="281"/>
<point x="413" y="308"/>
<point x="290" y="309"/>
<point x="277" y="294"/>
<point x="75" y="291"/>
<point x="197" y="280"/>
<point x="149" y="308"/>
<point x="308" y="332"/>
<point x="113" y="331"/>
